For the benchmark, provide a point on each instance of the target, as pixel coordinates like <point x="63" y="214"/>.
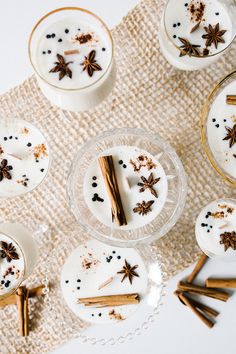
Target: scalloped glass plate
<point x="113" y="332"/>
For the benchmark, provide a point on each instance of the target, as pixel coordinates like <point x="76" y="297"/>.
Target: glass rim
<point x="4" y="296"/>
<point x="193" y="55"/>
<point x="48" y="14"/>
<point x="203" y="118"/>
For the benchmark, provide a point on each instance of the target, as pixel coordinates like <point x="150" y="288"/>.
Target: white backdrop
<point x="177" y="330"/>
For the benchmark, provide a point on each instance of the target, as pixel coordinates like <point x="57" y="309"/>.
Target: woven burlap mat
<point x="149" y="94"/>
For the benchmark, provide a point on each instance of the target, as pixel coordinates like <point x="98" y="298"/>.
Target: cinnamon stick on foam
<point x="221" y="283"/>
<point x="109" y="176"/>
<point x="110" y="300"/>
<point x="231" y="99"/>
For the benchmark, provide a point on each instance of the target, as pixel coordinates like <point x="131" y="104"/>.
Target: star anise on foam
<point x="4" y="170"/>
<point x="148" y="183"/>
<point x="129" y="272"/>
<point x="90" y="64"/>
<point x="8" y="251"/>
<point x="143" y="208"/>
<point x="62" y="68"/>
<point x="188" y="49"/>
<point x="231" y="135"/>
<point x="214" y="35"/>
<point x="228" y="239"/>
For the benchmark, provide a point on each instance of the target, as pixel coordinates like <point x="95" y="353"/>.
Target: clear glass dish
<point x="116" y="332"/>
<point x="177" y="187"/>
<point x="204" y="117"/>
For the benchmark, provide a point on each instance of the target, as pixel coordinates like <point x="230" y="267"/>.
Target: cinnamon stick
<point x="195" y="27"/>
<point x="69" y="52"/>
<point x="202" y="260"/>
<point x="189" y="303"/>
<point x="109" y="176"/>
<point x="221" y="283"/>
<point x="204" y="308"/>
<point x="11" y="300"/>
<point x="110" y="300"/>
<point x="26" y="313"/>
<point x="231" y="99"/>
<point x="200" y="290"/>
<point x="21" y="300"/>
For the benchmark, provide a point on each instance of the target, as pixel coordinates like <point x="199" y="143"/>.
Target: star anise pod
<point x="4" y="170"/>
<point x="8" y="251"/>
<point x="128" y="271"/>
<point x="148" y="184"/>
<point x="228" y="239"/>
<point x="188" y="48"/>
<point x="231" y="135"/>
<point x="213" y="35"/>
<point x="90" y="64"/>
<point x="143" y="208"/>
<point x="62" y="67"/>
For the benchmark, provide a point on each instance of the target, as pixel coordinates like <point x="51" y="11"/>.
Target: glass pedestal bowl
<point x="176" y="179"/>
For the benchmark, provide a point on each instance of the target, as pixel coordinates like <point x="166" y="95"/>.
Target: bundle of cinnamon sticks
<point x="20" y="298"/>
<point x="211" y="289"/>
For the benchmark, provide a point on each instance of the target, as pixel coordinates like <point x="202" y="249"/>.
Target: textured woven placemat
<point x="149" y="94"/>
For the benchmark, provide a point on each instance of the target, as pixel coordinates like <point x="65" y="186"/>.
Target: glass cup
<point x="173" y="203"/>
<point x="18" y="256"/>
<point x="88" y="94"/>
<point x="170" y="45"/>
<point x="223" y="111"/>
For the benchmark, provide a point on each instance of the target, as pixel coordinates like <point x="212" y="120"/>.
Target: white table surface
<point x="176" y="330"/>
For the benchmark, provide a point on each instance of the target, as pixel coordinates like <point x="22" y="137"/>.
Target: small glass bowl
<point x="177" y="187"/>
<point x="204" y="117"/>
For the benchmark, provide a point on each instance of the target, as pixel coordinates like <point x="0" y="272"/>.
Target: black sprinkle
<point x="225" y="120"/>
<point x="53" y="35"/>
<point x="208" y="230"/>
<point x="217" y="13"/>
<point x="93" y="314"/>
<point x="23" y="175"/>
<point x="66" y="30"/>
<point x="213" y="120"/>
<point x="110" y="257"/>
<point x="59" y="40"/>
<point x="174" y="36"/>
<point x="48" y="36"/>
<point x="7" y="285"/>
<point x="103" y="49"/>
<point x="120" y="162"/>
<point x="174" y="25"/>
<point x="94" y="199"/>
<point x="10" y="168"/>
<point x="10" y="137"/>
<point x="113" y="252"/>
<point x="78" y="29"/>
<point x="100" y="199"/>
<point x="16" y="137"/>
<point x="78" y="288"/>
<point x="207" y="216"/>
<point x="37" y="160"/>
<point x="178" y="24"/>
<point x="42" y="170"/>
<point x="202" y="224"/>
<point x="108" y="260"/>
<point x="118" y="257"/>
<point x="29" y="144"/>
<point x="12" y="273"/>
<point x="211" y="226"/>
<point x="94" y="178"/>
<point x="44" y="52"/>
<point x="5" y="138"/>
<point x="100" y="314"/>
<point x="78" y="280"/>
<point x="49" y="51"/>
<point x="94" y="185"/>
<point x="208" y="213"/>
<point x="217" y="125"/>
<point x="124" y="166"/>
<point x="186" y="4"/>
<point x="27" y="179"/>
<point x="95" y="195"/>
<point x="67" y="281"/>
<point x="2" y="282"/>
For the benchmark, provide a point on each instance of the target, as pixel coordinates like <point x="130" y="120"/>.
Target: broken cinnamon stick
<point x="11" y="300"/>
<point x="21" y="300"/>
<point x="189" y="303"/>
<point x="109" y="176"/>
<point x="204" y="308"/>
<point x="69" y="52"/>
<point x="202" y="260"/>
<point x="200" y="290"/>
<point x="221" y="283"/>
<point x="231" y="99"/>
<point x="195" y="27"/>
<point x="110" y="300"/>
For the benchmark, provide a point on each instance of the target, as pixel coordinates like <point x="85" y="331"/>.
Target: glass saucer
<point x="120" y="331"/>
<point x="163" y="153"/>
